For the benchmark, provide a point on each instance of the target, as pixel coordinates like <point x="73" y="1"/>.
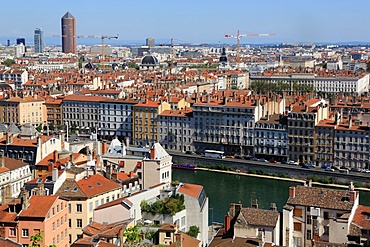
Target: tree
<point x="132" y="235"/>
<point x="9" y="62"/>
<point x="37" y="239"/>
<point x="193" y="231"/>
<point x="39" y="128"/>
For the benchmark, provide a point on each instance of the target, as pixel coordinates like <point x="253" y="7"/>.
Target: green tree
<point x="157" y="207"/>
<point x="193" y="231"/>
<point x="51" y="126"/>
<point x="9" y="62"/>
<point x="39" y="128"/>
<point x="37" y="239"/>
<point x="145" y="207"/>
<point x="132" y="235"/>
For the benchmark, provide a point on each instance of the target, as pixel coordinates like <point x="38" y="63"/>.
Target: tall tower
<point x="150" y="42"/>
<point x="68" y="33"/>
<point x="39" y="40"/>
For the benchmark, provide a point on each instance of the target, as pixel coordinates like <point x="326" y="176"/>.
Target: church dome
<point x="149" y="60"/>
<point x="223" y="58"/>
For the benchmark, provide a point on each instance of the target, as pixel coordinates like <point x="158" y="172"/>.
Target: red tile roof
<point x="39" y="206"/>
<point x="96" y="184"/>
<point x="192" y="190"/>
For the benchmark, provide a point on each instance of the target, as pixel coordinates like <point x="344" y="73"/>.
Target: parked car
<point x="335" y="167"/>
<point x="354" y="169"/>
<point x="262" y="160"/>
<point x="329" y="169"/>
<point x="230" y="156"/>
<point x="238" y="156"/>
<point x="272" y="161"/>
<point x="255" y="159"/>
<point x="308" y="166"/>
<point x="247" y="157"/>
<point x="189" y="152"/>
<point x="325" y="167"/>
<point x="284" y="162"/>
<point x="365" y="171"/>
<point x="292" y="162"/>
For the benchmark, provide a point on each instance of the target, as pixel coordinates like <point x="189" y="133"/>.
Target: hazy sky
<point x="192" y="21"/>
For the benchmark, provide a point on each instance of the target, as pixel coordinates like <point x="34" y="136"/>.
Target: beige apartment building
<point x="29" y="109"/>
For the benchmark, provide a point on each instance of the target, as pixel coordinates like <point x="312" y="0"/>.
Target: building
<point x="68" y="33"/>
<point x="359" y="231"/>
<point x="54" y="112"/>
<point x="18" y="77"/>
<point x="318" y="213"/>
<point x="23" y="110"/>
<point x="324" y="142"/>
<point x="145" y="121"/>
<point x="176" y="129"/>
<point x="149" y="42"/>
<point x="39" y="40"/>
<point x="84" y="194"/>
<point x="271" y="137"/>
<point x="197" y="210"/>
<point x="21" y="41"/>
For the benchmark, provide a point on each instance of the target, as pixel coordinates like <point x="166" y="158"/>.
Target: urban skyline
<point x="192" y="22"/>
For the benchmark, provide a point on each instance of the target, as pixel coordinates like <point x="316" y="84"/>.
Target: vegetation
<point x="132" y="236"/>
<point x="133" y="65"/>
<point x="39" y="128"/>
<point x="280" y="86"/>
<point x="9" y="62"/>
<point x="172" y="206"/>
<point x="37" y="239"/>
<point x="193" y="231"/>
<point x="80" y="60"/>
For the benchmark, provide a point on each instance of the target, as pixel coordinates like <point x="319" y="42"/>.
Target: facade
<point x="145" y="121"/>
<point x="116" y="118"/>
<point x="324" y="142"/>
<point x="68" y="33"/>
<point x="30" y="110"/>
<point x="271" y="137"/>
<point x="302" y="120"/>
<point x="176" y="129"/>
<point x="318" y="213"/>
<point x="197" y="210"/>
<point x="39" y="40"/>
<point x="54" y="112"/>
<point x="17" y="76"/>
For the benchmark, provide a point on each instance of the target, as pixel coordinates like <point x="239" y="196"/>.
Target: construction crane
<point x="102" y="48"/>
<point x="238" y="36"/>
<point x="103" y="37"/>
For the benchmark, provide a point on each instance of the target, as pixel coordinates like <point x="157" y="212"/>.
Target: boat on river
<point x="184" y="166"/>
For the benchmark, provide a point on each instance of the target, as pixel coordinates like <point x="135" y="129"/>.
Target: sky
<point x="190" y="21"/>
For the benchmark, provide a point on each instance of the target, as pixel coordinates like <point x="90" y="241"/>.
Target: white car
<point x="329" y="169"/>
<point x="366" y="171"/>
<point x="292" y="162"/>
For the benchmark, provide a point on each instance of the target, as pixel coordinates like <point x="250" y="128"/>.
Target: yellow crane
<point x="238" y="36"/>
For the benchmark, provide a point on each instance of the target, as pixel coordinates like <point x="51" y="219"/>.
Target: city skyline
<point x="192" y="21"/>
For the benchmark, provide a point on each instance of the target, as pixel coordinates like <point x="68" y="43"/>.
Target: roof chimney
<point x="261" y="237"/>
<point x="273" y="207"/>
<point x="104" y="147"/>
<point x="254" y="204"/>
<point x="292" y="192"/>
<point x="24" y="198"/>
<point x="349" y="121"/>
<point x="54" y="174"/>
<point x="152" y="153"/>
<point x="227" y="222"/>
<point x="55" y="156"/>
<point x="2" y="159"/>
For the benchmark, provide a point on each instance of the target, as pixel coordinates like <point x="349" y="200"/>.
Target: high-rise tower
<point x="68" y="33"/>
<point x="39" y="40"/>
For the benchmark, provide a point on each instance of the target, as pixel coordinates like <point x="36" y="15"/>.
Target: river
<point x="223" y="189"/>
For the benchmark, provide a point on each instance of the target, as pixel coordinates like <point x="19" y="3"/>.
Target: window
<point x="70" y="223"/>
<point x="53" y="226"/>
<point x="326" y="215"/>
<point x="297" y="212"/>
<point x="309" y="221"/>
<point x="79" y="223"/>
<point x="326" y="230"/>
<point x="24" y="232"/>
<point x="12" y="232"/>
<point x="297" y="226"/>
<point x="168" y="234"/>
<point x="79" y="208"/>
<point x="69" y="208"/>
<point x="90" y="206"/>
<point x="308" y="237"/>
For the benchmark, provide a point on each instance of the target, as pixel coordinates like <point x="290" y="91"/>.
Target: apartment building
<point x="324" y="142"/>
<point x="318" y="213"/>
<point x="176" y="129"/>
<point x="145" y="115"/>
<point x="84" y="194"/>
<point x="351" y="144"/>
<point x="54" y="111"/>
<point x="22" y="110"/>
<point x="226" y="122"/>
<point x="18" y="76"/>
<point x="271" y="137"/>
<point x="116" y="118"/>
<point x="302" y="120"/>
<point x="82" y="111"/>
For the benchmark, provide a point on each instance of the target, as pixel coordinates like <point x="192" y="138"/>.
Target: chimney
<point x="152" y="153"/>
<point x="108" y="172"/>
<point x="54" y="174"/>
<point x="261" y="237"/>
<point x="292" y="192"/>
<point x="40" y="189"/>
<point x="254" y="204"/>
<point x="352" y="196"/>
<point x="72" y="158"/>
<point x="104" y="147"/>
<point x="273" y="207"/>
<point x="55" y="156"/>
<point x="8" y="138"/>
<point x="50" y="166"/>
<point x="349" y="121"/>
<point x="2" y="160"/>
<point x="24" y="198"/>
<point x="227" y="222"/>
<point x="123" y="149"/>
<point x="178" y="239"/>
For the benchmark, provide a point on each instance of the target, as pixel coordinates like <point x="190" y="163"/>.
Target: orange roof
<point x="39" y="206"/>
<point x="361" y="217"/>
<point x="96" y="184"/>
<point x="192" y="190"/>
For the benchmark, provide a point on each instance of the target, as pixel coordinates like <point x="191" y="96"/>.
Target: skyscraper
<point x="150" y="42"/>
<point x="21" y="41"/>
<point x="39" y="40"/>
<point x="68" y="33"/>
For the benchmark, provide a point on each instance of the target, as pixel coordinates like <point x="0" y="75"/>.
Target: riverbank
<point x="303" y="182"/>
